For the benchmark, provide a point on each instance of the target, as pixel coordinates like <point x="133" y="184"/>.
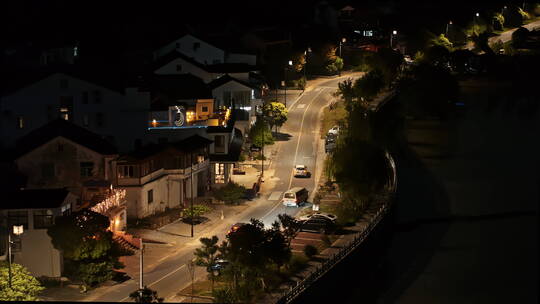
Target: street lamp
<point x="17" y="230"/>
<point x="343" y="40"/>
<point x="447" y="25"/>
<point x="285" y="83"/>
<point x="394" y="32"/>
<point x="475" y="23"/>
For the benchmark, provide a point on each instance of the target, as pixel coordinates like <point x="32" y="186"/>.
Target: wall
<point x="231" y="86"/>
<point x="67" y="165"/>
<point x="40" y="102"/>
<point x="242" y="58"/>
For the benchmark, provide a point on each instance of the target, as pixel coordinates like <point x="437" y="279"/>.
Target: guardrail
<point x="322" y="269"/>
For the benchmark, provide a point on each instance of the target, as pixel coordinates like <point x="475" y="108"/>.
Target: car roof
<point x="300" y="166"/>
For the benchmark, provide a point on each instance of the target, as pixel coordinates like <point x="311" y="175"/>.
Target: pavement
<point x="169" y="248"/>
<point x="506" y="35"/>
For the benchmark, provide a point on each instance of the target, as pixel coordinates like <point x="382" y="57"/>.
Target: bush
<point x="310" y="251"/>
<point x="231" y="193"/>
<point x="297" y="263"/>
<point x="326" y="240"/>
<point x="198" y="210"/>
<point x="223" y="295"/>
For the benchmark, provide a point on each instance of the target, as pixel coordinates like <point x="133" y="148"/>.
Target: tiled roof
<point x="66" y="129"/>
<point x="33" y="199"/>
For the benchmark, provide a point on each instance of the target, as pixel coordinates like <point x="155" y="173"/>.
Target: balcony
<point x="189" y="119"/>
<point x="181" y="173"/>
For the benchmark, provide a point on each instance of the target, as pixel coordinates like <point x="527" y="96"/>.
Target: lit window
<point x="205" y="109"/>
<point x="220" y="173"/>
<point x="125" y="171"/>
<point x="20" y="122"/>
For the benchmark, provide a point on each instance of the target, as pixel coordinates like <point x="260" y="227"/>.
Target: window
<point x="47" y="170"/>
<point x="20" y="122"/>
<point x="16" y="218"/>
<point x="219" y="144"/>
<point x="86" y="169"/>
<point x="63" y="83"/>
<point x="150" y="195"/>
<point x="60" y="147"/>
<point x="100" y="119"/>
<point x="125" y="171"/>
<point x="66" y="107"/>
<point x="85" y="120"/>
<point x="205" y="109"/>
<point x="178" y="67"/>
<point x="43" y="219"/>
<point x="178" y="45"/>
<point x="66" y="209"/>
<point x="220" y="173"/>
<point x="84" y="97"/>
<point x="196" y="45"/>
<point x="97" y="96"/>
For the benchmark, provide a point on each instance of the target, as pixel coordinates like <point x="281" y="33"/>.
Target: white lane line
<point x="167" y="275"/>
<point x="300" y="135"/>
<point x="292" y="172"/>
<point x="275" y="196"/>
<point x="301" y="106"/>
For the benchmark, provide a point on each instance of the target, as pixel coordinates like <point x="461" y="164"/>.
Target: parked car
<point x="235" y="228"/>
<point x="219" y="265"/>
<point x="295" y="197"/>
<point x="301" y="171"/>
<point x="318" y="225"/>
<point x="317" y="215"/>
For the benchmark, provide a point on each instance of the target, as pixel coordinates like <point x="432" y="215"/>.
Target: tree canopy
<point x="231" y="193"/>
<point x="275" y="113"/>
<point x="260" y="133"/>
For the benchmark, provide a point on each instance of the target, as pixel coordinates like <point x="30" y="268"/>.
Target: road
<point x="507" y="35"/>
<point x="172" y="275"/>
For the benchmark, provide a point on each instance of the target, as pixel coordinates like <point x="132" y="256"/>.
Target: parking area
<point x="304" y="238"/>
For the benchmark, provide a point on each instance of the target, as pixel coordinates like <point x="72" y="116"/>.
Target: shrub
<point x="297" y="263"/>
<point x="326" y="240"/>
<point x="231" y="193"/>
<point x="310" y="251"/>
<point x="223" y="295"/>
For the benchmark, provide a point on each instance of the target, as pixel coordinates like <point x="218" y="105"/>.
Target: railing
<point x="158" y="173"/>
<point x="384" y="201"/>
<point x="301" y="286"/>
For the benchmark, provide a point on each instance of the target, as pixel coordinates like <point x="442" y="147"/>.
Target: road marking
<point x="301" y="106"/>
<point x="274" y="196"/>
<point x="167" y="275"/>
<point x="292" y="172"/>
<point x="300" y="136"/>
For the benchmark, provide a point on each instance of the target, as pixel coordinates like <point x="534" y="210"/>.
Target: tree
<point x="275" y="113"/>
<point x="310" y="250"/>
<point x="367" y="87"/>
<point x="145" y="295"/>
<point x="387" y="61"/>
<point x="198" y="210"/>
<point x="260" y="134"/>
<point x="441" y="40"/>
<point x="519" y="37"/>
<point x="89" y="251"/>
<point x="231" y="193"/>
<point x="206" y="255"/>
<point x="346" y="91"/>
<point x="24" y="287"/>
<point x="498" y="23"/>
<point x="289" y="226"/>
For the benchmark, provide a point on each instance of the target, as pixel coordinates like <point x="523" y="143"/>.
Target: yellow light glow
<point x="154" y="122"/>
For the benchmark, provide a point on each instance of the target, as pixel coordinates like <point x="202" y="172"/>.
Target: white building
<point x="35" y="211"/>
<point x="166" y="175"/>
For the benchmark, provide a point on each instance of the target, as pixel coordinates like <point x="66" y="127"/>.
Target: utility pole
<point x="9" y="257"/>
<point x="191" y="193"/>
<point x="141" y="283"/>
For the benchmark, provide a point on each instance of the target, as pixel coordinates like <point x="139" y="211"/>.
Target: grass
<point x="332" y="117"/>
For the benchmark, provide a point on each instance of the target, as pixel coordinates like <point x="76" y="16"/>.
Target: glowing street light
<point x="17" y="230"/>
<point x="394" y="32"/>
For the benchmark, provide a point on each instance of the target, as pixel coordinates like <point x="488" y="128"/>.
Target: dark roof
<point x="226" y="78"/>
<point x="235" y="148"/>
<point x="64" y="128"/>
<point x="167" y="90"/>
<point x="228" y="43"/>
<point x="188" y="144"/>
<point x="172" y="55"/>
<point x="220" y="129"/>
<point x="33" y="199"/>
<point x="231" y="68"/>
<point x="14" y="80"/>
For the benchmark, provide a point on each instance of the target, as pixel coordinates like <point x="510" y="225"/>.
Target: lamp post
<point x="285" y="82"/>
<point x="17" y="230"/>
<point x="343" y="40"/>
<point x="475" y="22"/>
<point x="447" y="25"/>
<point x="141" y="283"/>
<point x="394" y="32"/>
<point x="191" y="191"/>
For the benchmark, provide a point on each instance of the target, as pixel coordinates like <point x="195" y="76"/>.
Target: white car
<point x="334" y="130"/>
<point x="301" y="171"/>
<point x="315" y="215"/>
